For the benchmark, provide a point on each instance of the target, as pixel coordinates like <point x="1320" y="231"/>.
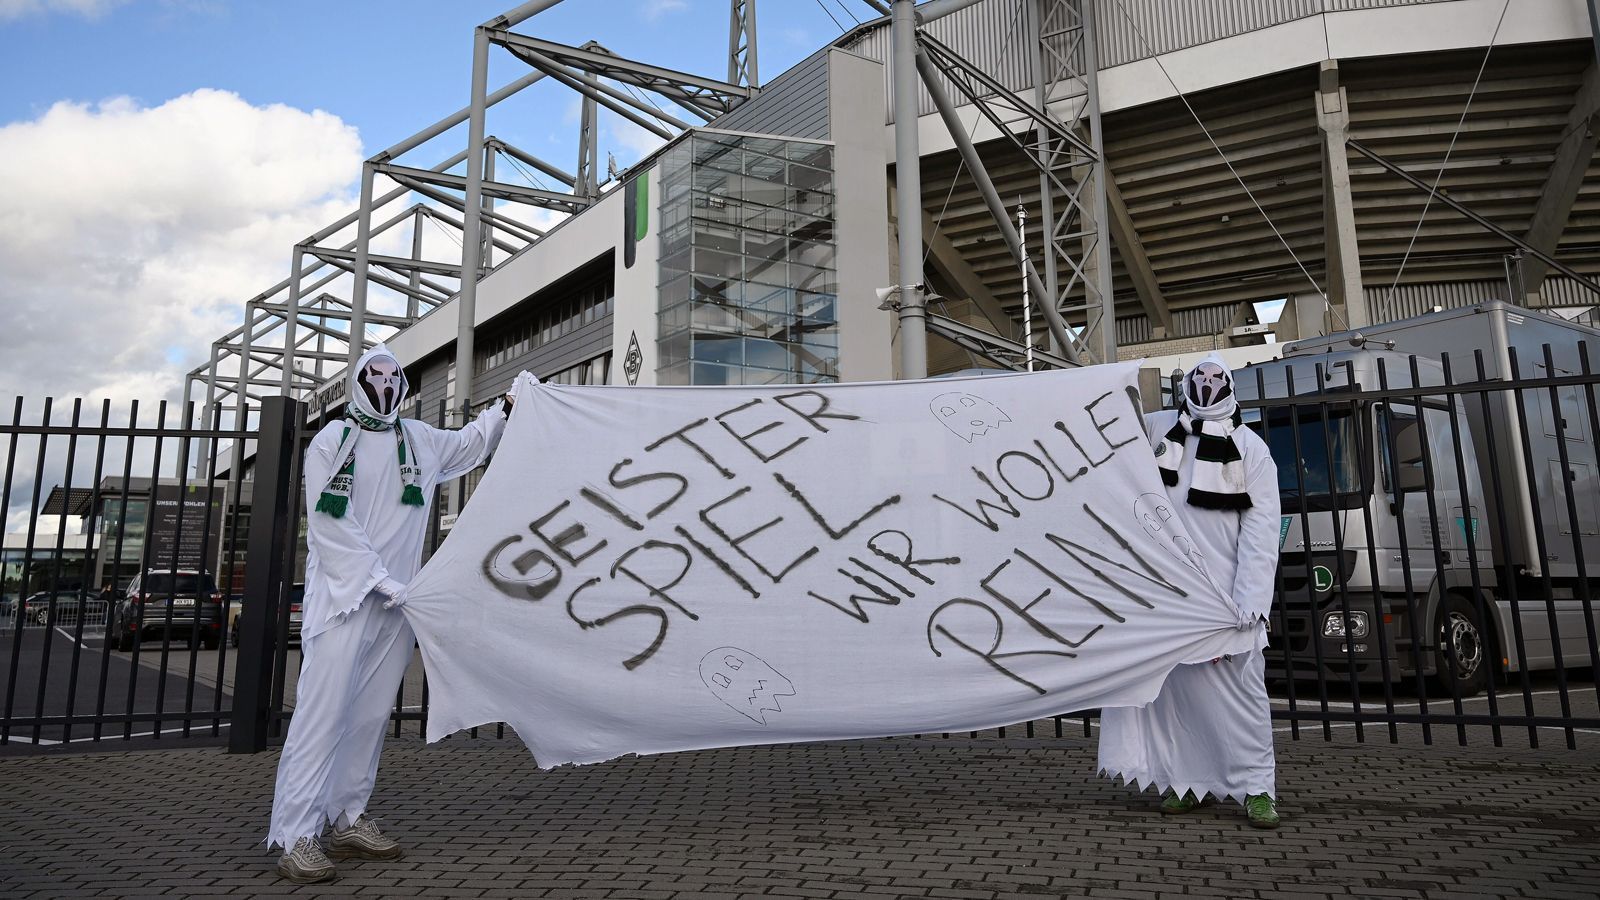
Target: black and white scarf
<point x="377" y="387"/>
<point x="1209" y="412"/>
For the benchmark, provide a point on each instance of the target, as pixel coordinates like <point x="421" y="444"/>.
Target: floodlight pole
<point x="908" y="193"/>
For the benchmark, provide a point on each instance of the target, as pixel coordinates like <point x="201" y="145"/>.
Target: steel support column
<point x="292" y="317"/>
<point x="587" y="183"/>
<point x="1338" y="207"/>
<point x="358" y="290"/>
<point x="1096" y="241"/>
<point x="416" y="256"/>
<point x="742" y="43"/>
<point x="467" y="299"/>
<point x="908" y="195"/>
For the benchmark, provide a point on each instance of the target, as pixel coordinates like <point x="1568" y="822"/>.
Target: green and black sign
<point x="635" y="215"/>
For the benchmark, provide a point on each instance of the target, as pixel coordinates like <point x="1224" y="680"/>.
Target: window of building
<point x="571" y="308"/>
<point x="748" y="283"/>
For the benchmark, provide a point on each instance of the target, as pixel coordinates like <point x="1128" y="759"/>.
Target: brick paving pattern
<point x="956" y="818"/>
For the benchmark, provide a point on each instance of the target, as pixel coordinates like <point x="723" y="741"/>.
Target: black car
<point x="297" y="595"/>
<point x="54" y="608"/>
<point x="168" y="603"/>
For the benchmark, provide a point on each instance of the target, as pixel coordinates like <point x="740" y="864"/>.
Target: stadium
<point x="1225" y="175"/>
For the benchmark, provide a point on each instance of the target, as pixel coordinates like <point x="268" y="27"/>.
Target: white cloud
<point x="89" y="9"/>
<point x="627" y="140"/>
<point x="135" y="234"/>
<point x="655" y="9"/>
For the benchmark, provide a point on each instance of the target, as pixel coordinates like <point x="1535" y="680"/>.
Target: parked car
<point x="297" y="594"/>
<point x="167" y="602"/>
<point x="59" y="607"/>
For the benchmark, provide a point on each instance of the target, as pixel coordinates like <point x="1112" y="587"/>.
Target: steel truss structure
<point x="1066" y="151"/>
<point x="297" y="332"/>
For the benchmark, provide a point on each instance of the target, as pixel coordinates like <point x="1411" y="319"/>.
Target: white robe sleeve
<point x="1256" y="574"/>
<point x="460" y="451"/>
<point x="347" y="562"/>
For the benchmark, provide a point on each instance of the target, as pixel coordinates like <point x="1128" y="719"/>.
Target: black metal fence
<point x="121" y="581"/>
<point x="1440" y="543"/>
<point x="1439" y="559"/>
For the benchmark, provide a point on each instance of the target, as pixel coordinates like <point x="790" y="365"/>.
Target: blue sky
<point x="162" y="156"/>
<point x="387" y="68"/>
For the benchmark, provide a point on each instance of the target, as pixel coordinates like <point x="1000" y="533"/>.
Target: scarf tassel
<point x="333" y="504"/>
<point x="411" y="496"/>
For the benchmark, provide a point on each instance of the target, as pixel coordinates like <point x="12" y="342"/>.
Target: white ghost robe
<point x="355" y="652"/>
<point x="1210" y="728"/>
<point x="379" y="537"/>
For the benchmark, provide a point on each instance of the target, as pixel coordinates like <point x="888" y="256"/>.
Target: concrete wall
<point x="637" y="290"/>
<point x="861" y="216"/>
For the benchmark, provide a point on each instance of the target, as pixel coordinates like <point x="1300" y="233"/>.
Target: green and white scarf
<point x="335" y="499"/>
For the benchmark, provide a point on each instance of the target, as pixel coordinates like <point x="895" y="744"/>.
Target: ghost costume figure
<point x="369" y="483"/>
<point x="1209" y="732"/>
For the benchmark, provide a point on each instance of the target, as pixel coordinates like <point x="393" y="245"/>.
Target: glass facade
<point x="748" y="285"/>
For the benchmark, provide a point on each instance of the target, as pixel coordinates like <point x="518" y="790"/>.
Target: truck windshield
<point x="1318" y="456"/>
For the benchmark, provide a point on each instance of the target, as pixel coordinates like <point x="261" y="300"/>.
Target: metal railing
<point x="1440" y="542"/>
<point x="115" y="629"/>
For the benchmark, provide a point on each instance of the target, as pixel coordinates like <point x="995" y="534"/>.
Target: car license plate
<point x="183" y="601"/>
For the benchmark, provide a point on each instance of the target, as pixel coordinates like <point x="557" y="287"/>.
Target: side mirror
<point x="1411" y="478"/>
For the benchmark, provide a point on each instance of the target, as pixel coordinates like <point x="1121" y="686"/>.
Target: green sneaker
<point x="1173" y="805"/>
<point x="1261" y="809"/>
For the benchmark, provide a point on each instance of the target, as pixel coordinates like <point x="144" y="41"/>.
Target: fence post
<point x="271" y="535"/>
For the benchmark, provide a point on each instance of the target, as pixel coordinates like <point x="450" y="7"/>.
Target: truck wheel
<point x="1461" y="653"/>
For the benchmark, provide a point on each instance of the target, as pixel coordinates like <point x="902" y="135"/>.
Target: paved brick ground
<point x="936" y="818"/>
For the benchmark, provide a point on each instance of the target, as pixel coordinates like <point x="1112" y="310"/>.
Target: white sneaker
<point x="362" y="840"/>
<point x="305" y="863"/>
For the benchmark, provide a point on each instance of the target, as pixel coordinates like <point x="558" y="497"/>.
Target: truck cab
<point x="1380" y="541"/>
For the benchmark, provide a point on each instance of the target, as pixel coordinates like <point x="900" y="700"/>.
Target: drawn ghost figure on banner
<point x="968" y="415"/>
<point x="744" y="682"/>
<point x="384" y="383"/>
<point x="1154" y="511"/>
<point x="1209" y="384"/>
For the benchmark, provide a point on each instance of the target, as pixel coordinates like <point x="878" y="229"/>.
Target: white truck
<point x="1449" y="532"/>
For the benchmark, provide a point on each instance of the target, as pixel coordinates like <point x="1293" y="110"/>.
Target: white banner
<point x="653" y="569"/>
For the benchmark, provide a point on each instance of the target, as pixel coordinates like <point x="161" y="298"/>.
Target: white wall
<point x="861" y="216"/>
<point x="637" y="290"/>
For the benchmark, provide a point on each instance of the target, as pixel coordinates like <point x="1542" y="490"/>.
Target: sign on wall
<point x="185" y="526"/>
